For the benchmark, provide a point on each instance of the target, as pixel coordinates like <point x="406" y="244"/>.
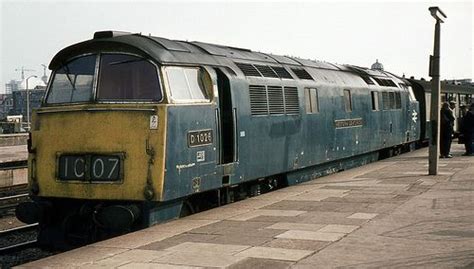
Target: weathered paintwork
<point x="265" y="146"/>
<point x="78" y="129"/>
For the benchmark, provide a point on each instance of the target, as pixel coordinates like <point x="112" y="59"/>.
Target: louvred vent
<point x="266" y="71"/>
<point x="292" y="106"/>
<point x="275" y="100"/>
<point x="258" y="100"/>
<point x="248" y="70"/>
<point x="281" y="71"/>
<point x="301" y="73"/>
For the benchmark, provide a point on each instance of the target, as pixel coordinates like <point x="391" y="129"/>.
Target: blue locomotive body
<point x="207" y="124"/>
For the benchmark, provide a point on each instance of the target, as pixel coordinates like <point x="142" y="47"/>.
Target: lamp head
<point x="437" y="13"/>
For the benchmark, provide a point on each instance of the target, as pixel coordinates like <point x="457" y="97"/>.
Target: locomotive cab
<point x="98" y="141"/>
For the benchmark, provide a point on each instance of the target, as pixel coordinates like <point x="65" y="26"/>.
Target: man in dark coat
<point x="468" y="131"/>
<point x="447" y="128"/>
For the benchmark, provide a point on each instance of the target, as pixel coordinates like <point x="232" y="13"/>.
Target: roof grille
<point x="275" y="100"/>
<point x="258" y="100"/>
<point x="367" y="80"/>
<point x="292" y="106"/>
<point x="301" y="73"/>
<point x="248" y="70"/>
<point x="385" y="82"/>
<point x="266" y="71"/>
<point x="281" y="71"/>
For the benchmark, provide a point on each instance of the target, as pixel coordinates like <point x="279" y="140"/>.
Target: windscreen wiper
<point x="126" y="61"/>
<point x="66" y="68"/>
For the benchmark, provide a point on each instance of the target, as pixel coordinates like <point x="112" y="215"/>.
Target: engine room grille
<point x="385" y="82"/>
<point x="301" y="73"/>
<point x="275" y="100"/>
<point x="258" y="100"/>
<point x="281" y="71"/>
<point x="367" y="80"/>
<point x="292" y="106"/>
<point x="266" y="71"/>
<point x="248" y="70"/>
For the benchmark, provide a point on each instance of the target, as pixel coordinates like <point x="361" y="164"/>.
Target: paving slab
<point x="141" y="265"/>
<point x="389" y="214"/>
<point x="199" y="259"/>
<point x="275" y="253"/>
<point x="308" y="235"/>
<point x="256" y="263"/>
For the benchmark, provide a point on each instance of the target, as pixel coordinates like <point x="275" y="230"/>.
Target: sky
<point x="397" y="33"/>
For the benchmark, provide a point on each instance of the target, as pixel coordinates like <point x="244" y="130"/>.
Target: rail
<point x="21" y="164"/>
<point x="11" y="196"/>
<point x="18" y="246"/>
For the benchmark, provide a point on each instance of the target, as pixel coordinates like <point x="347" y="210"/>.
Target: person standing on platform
<point x="447" y="128"/>
<point x="452" y="106"/>
<point x="468" y="131"/>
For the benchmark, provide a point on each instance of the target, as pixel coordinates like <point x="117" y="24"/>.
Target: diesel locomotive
<point x="136" y="129"/>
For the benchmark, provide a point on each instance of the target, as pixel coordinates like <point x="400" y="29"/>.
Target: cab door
<point x="226" y="120"/>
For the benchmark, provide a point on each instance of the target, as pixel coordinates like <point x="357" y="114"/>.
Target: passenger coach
<point x="138" y="129"/>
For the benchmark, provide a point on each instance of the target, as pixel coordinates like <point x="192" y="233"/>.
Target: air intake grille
<point x="275" y="100"/>
<point x="281" y="71"/>
<point x="266" y="71"/>
<point x="301" y="73"/>
<point x="367" y="80"/>
<point x="248" y="70"/>
<point x="292" y="106"/>
<point x="385" y="82"/>
<point x="258" y="100"/>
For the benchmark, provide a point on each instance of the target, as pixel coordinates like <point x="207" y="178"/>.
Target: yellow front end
<point x="127" y="130"/>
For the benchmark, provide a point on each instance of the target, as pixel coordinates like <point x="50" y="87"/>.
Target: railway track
<point x="14" y="165"/>
<point x="11" y="195"/>
<point x="18" y="239"/>
<point x="9" y="203"/>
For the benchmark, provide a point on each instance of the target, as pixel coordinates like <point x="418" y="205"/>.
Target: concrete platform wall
<point x="7" y="140"/>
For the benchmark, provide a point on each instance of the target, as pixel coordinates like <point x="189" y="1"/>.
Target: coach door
<point x="226" y="120"/>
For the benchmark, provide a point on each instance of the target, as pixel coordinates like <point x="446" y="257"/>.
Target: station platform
<point x="388" y="214"/>
<point x="13" y="153"/>
<point x="12" y="175"/>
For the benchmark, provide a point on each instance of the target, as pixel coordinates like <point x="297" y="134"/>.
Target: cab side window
<point x="187" y="84"/>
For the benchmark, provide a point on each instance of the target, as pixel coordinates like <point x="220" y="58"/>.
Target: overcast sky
<point x="399" y="34"/>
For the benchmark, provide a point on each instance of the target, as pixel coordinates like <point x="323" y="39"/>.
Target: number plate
<point x="90" y="167"/>
<point x="200" y="138"/>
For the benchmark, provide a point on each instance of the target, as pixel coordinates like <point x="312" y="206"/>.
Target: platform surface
<point x="13" y="153"/>
<point x="388" y="214"/>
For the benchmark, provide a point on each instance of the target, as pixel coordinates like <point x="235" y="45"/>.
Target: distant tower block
<point x="377" y="66"/>
<point x="44" y="78"/>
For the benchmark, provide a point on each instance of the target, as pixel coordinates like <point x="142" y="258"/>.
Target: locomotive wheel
<point x="77" y="230"/>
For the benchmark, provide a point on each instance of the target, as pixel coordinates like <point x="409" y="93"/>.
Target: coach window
<point x="398" y="100"/>
<point x="126" y="77"/>
<point x="411" y="94"/>
<point x="385" y="101"/>
<point x="392" y="100"/>
<point x="187" y="84"/>
<point x="312" y="100"/>
<point x="347" y="100"/>
<point x="72" y="82"/>
<point x="375" y="101"/>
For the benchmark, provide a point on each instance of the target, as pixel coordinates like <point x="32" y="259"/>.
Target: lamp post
<point x="28" y="101"/>
<point x="433" y="157"/>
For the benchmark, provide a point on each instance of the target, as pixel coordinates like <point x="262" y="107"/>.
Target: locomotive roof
<point x="166" y="51"/>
